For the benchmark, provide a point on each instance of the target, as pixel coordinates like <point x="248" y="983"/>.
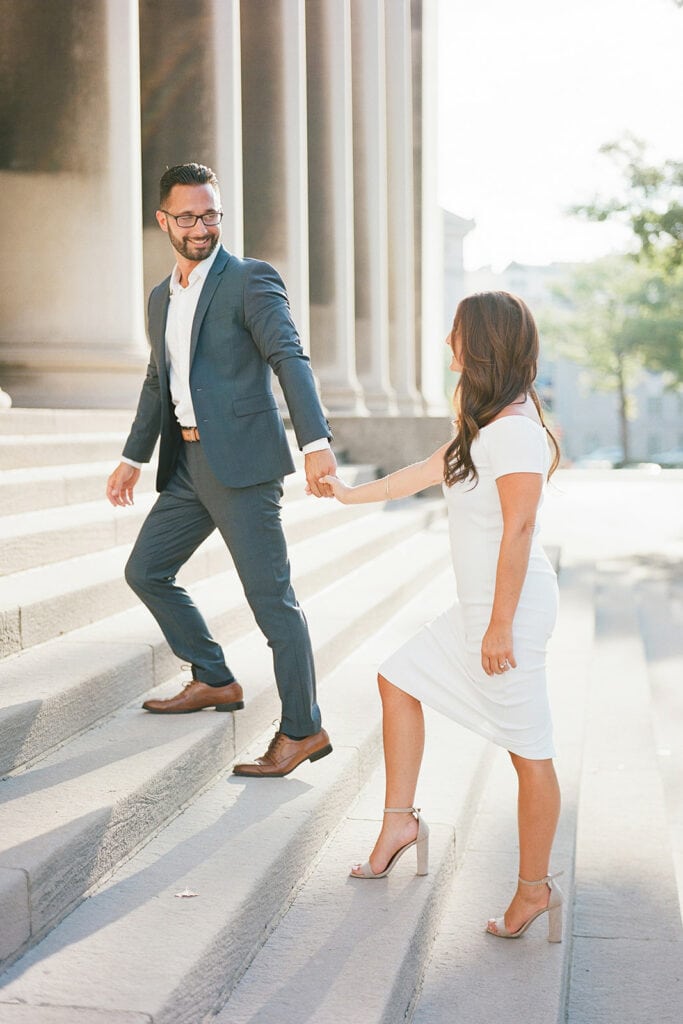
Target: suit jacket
<point x="242" y="330"/>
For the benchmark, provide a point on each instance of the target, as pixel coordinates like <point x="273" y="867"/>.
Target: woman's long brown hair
<point x="499" y="353"/>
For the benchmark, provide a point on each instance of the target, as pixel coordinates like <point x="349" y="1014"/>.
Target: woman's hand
<point x="497" y="655"/>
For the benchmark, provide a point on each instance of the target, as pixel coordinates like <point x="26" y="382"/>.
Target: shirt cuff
<point x="321" y="445"/>
<point x="130" y="462"/>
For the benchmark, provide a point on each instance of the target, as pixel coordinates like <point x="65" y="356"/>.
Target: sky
<point x="528" y="90"/>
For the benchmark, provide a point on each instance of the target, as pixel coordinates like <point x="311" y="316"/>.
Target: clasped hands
<point x="318" y="465"/>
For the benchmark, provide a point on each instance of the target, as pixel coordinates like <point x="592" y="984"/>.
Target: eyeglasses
<point x="188" y="220"/>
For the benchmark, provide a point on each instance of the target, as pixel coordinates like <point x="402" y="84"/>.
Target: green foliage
<point x="651" y="203"/>
<point x="647" y="289"/>
<point x="616" y="316"/>
<point x="655" y="331"/>
<point x="617" y="313"/>
<point x="595" y="328"/>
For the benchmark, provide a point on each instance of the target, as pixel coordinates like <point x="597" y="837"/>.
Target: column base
<point x="379" y="402"/>
<point x="408" y="403"/>
<point x="339" y="397"/>
<point x="390" y="442"/>
<point x="72" y="377"/>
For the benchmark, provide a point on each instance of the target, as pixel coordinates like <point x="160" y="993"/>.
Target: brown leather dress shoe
<point x="196" y="696"/>
<point x="284" y="755"/>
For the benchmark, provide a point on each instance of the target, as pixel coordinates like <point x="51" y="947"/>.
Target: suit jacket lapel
<point x="158" y="314"/>
<point x="209" y="288"/>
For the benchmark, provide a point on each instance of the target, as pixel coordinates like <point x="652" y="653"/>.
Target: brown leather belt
<point x="189" y="433"/>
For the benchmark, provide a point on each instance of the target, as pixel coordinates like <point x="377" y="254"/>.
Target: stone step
<point x="80" y="812"/>
<point x="51" y="535"/>
<point x="77" y="679"/>
<point x="358" y="950"/>
<point x="659" y="596"/>
<point x="55" y="534"/>
<point x="351" y="949"/>
<point x="243" y="845"/>
<point x="473" y="976"/>
<point x="23" y="451"/>
<point x="41" y="603"/>
<point x="45" y="487"/>
<point x="627" y="915"/>
<point x="19" y="451"/>
<point x="63" y="421"/>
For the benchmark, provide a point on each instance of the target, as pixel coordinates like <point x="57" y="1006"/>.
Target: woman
<point x="482" y="662"/>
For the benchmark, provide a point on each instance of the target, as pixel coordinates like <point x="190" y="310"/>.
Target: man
<point x="218" y="326"/>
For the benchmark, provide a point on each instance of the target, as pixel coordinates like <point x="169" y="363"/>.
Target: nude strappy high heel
<point x="421" y="844"/>
<point x="553" y="910"/>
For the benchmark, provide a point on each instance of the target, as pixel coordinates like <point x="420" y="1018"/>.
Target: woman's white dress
<point x="441" y="664"/>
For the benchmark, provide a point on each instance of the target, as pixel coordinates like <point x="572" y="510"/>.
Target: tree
<point x="620" y="316"/>
<point x="651" y="204"/>
<point x="637" y="304"/>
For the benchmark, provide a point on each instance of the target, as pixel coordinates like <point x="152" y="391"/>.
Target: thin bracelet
<point x="386" y="486"/>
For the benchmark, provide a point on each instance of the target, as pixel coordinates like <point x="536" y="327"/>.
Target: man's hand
<point x="121" y="483"/>
<point x="317" y="464"/>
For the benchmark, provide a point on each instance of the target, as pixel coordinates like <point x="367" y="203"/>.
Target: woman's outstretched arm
<point x="400" y="484"/>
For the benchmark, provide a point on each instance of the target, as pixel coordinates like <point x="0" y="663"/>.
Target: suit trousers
<point x="193" y="504"/>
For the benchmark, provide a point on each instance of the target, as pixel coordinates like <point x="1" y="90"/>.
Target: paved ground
<point x="635" y="517"/>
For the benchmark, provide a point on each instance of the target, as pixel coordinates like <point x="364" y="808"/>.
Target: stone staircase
<point x="92" y="783"/>
<point x="111" y="818"/>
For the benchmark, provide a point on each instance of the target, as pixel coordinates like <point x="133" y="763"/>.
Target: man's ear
<point x="162" y="220"/>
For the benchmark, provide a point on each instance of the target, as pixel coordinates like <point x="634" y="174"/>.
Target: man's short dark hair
<point x="185" y="174"/>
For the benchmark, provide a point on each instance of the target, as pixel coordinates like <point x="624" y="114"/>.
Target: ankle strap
<point x="541" y="881"/>
<point x="402" y="810"/>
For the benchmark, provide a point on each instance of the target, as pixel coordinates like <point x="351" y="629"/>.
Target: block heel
<point x="496" y="925"/>
<point x="421" y="844"/>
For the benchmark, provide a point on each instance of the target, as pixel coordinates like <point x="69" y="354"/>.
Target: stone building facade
<point x="319" y="118"/>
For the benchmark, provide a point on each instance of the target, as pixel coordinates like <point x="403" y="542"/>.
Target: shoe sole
<point x="323" y="752"/>
<point x="237" y="706"/>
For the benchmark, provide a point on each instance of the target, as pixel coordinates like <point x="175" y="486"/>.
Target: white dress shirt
<point x="181" y="310"/>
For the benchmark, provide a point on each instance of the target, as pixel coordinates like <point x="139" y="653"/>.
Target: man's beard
<point x="186" y="248"/>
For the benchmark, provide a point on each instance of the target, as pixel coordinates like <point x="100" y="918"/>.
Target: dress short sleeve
<point x="516" y="444"/>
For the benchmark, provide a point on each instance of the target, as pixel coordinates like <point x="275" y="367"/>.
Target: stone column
<point x="191" y="110"/>
<point x="72" y="304"/>
<point x="433" y="352"/>
<point x="330" y="152"/>
<point x="125" y="313"/>
<point x="370" y="204"/>
<point x="275" y="144"/>
<point x="401" y="199"/>
<point x="296" y="164"/>
<point x="228" y="118"/>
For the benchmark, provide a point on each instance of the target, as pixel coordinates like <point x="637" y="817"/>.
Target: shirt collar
<point x="200" y="272"/>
